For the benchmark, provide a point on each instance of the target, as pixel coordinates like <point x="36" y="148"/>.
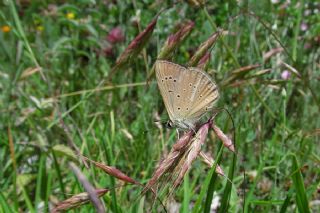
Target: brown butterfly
<point x="188" y="93"/>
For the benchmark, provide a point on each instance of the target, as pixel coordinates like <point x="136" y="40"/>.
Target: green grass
<point x="276" y="121"/>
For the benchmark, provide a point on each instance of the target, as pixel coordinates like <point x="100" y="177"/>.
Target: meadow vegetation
<point x="79" y="104"/>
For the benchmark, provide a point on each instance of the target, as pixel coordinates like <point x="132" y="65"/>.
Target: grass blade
<point x="40" y="179"/>
<point x="212" y="183"/>
<point x="286" y="201"/>
<point x="4" y="206"/>
<point x="227" y="190"/>
<point x="186" y="193"/>
<point x="204" y="188"/>
<point x="301" y="197"/>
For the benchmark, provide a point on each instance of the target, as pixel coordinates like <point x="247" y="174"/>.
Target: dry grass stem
<point x="238" y="74"/>
<point x="270" y="53"/>
<point x="292" y="69"/>
<point x="245" y="69"/>
<point x="92" y="195"/>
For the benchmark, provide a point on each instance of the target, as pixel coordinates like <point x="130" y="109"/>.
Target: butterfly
<point x="188" y="93"/>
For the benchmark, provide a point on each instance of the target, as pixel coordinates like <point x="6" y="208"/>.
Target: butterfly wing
<point x="204" y="94"/>
<point x="199" y="94"/>
<point x="168" y="77"/>
<point x="188" y="93"/>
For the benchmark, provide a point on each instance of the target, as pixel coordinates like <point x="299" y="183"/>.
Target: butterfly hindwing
<point x="206" y="94"/>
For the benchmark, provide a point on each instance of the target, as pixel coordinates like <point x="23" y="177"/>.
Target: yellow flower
<point x="5" y="29"/>
<point x="39" y="28"/>
<point x="70" y="15"/>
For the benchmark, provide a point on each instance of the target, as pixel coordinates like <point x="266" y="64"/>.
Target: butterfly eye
<point x="169" y="124"/>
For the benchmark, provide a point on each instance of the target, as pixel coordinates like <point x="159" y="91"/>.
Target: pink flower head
<point x="115" y="35"/>
<point x="304" y="26"/>
<point x="285" y="75"/>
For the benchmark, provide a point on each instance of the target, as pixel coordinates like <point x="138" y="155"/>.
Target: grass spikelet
<point x="203" y="49"/>
<point x="204" y="61"/>
<point x="192" y="153"/>
<point x="135" y="47"/>
<point x="175" y="40"/>
<point x="114" y="172"/>
<point x="227" y="142"/>
<point x="210" y="162"/>
<point x="77" y="200"/>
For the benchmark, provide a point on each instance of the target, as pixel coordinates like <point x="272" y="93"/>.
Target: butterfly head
<point x="169" y="124"/>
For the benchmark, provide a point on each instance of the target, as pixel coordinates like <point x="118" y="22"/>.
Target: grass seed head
<point x="204" y="61"/>
<point x="191" y="154"/>
<point x="203" y="49"/>
<point x="77" y="200"/>
<point x="227" y="142"/>
<point x="136" y="45"/>
<point x="114" y="172"/>
<point x="175" y="40"/>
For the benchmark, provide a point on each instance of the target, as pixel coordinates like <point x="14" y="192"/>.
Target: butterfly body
<point x="188" y="93"/>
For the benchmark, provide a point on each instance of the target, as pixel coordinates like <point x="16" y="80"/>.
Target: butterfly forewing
<point x="168" y="77"/>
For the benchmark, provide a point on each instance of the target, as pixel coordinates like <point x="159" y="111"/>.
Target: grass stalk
<point x="40" y="179"/>
<point x="296" y="31"/>
<point x="58" y="171"/>
<point x="214" y="27"/>
<point x="212" y="183"/>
